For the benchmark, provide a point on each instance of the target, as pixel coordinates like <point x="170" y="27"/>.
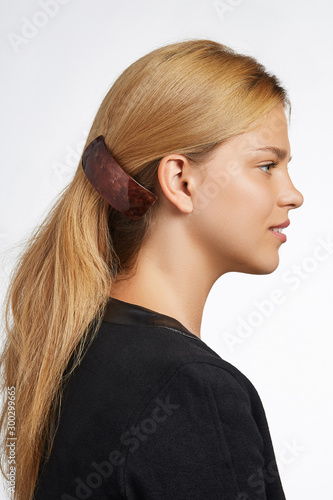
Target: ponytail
<point x="56" y="297"/>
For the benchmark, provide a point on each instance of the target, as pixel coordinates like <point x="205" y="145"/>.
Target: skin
<point x="212" y="219"/>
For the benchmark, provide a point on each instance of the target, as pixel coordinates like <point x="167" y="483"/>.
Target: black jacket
<point x="153" y="413"/>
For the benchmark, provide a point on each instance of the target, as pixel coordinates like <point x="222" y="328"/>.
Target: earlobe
<point x="173" y="176"/>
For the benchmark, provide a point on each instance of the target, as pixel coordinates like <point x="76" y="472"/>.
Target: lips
<point x="277" y="230"/>
<point x="281" y="226"/>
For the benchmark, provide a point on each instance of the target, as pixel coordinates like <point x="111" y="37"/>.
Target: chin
<point x="265" y="266"/>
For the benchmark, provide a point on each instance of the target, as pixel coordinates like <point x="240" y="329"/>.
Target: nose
<point x="290" y="196"/>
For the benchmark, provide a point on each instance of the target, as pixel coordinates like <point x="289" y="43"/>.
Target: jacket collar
<point x="124" y="313"/>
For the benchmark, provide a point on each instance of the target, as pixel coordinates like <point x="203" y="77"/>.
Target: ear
<point x="177" y="181"/>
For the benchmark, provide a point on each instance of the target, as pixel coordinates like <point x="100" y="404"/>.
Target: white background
<point x="55" y="74"/>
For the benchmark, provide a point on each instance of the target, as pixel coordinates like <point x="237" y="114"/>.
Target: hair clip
<point x="117" y="187"/>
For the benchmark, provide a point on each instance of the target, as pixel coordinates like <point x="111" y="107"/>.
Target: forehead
<point x="269" y="134"/>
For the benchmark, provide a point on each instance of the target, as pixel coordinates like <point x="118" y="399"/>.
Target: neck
<point x="171" y="277"/>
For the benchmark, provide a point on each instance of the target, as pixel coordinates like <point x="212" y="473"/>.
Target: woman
<point x="183" y="178"/>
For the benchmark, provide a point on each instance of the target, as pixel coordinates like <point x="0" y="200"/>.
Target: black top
<point x="153" y="413"/>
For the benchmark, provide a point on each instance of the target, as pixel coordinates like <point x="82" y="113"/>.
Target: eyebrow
<point x="280" y="153"/>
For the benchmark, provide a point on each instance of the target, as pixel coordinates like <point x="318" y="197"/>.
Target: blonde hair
<point x="183" y="98"/>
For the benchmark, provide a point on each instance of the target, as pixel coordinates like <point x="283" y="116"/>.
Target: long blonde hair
<point x="187" y="98"/>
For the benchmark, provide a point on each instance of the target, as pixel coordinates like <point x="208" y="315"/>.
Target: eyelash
<point x="273" y="165"/>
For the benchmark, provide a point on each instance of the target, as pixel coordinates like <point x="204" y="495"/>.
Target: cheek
<point x="242" y="206"/>
<point x="235" y="218"/>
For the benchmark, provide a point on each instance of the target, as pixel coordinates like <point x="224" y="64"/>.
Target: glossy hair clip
<point x="118" y="188"/>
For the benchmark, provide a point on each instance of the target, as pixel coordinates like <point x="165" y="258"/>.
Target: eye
<point x="268" y="167"/>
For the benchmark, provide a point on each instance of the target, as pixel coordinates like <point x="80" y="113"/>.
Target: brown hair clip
<point x="118" y="188"/>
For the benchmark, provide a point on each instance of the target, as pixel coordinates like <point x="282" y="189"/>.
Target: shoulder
<point x="162" y="351"/>
<point x="204" y="391"/>
<point x="126" y="369"/>
<point x="162" y="363"/>
<point x="160" y="355"/>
